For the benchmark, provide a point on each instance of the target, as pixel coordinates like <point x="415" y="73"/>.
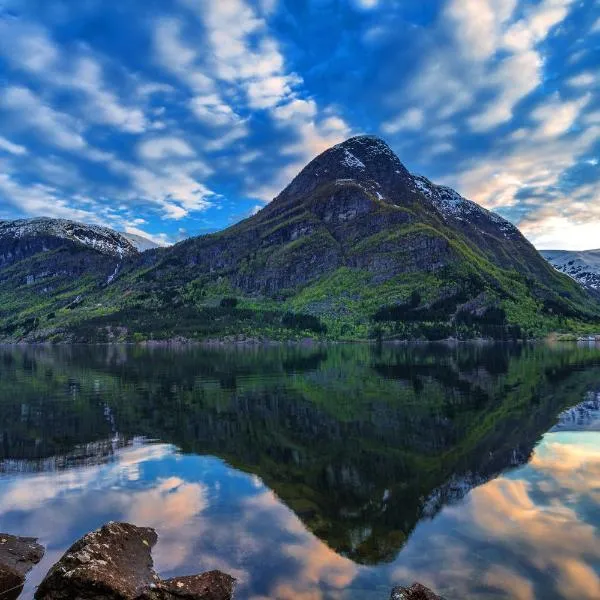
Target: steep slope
<point x="356" y="246"/>
<point x="582" y="266"/>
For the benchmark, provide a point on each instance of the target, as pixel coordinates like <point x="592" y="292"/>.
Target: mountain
<point x="48" y="264"/>
<point x="355" y="246"/>
<point x="25" y="234"/>
<point x="582" y="266"/>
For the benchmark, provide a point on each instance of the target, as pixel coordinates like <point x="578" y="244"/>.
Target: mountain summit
<point x="354" y="246"/>
<point x="363" y="158"/>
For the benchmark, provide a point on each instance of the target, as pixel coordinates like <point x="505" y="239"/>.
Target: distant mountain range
<point x="582" y="266"/>
<point x="102" y="239"/>
<point x="355" y="247"/>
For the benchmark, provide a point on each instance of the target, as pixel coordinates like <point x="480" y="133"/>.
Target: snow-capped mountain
<point x="582" y="266"/>
<point x="101" y="239"/>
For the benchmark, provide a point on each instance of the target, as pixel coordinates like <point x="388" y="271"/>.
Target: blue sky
<point x="170" y="118"/>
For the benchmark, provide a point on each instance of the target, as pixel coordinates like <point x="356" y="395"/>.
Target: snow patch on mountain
<point x="582" y="266"/>
<point x="351" y="161"/>
<point x="452" y="205"/>
<point x="101" y="239"/>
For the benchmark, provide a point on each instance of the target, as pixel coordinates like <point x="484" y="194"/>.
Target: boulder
<point x="213" y="585"/>
<point x="18" y="555"/>
<point x="415" y="592"/>
<point x="115" y="563"/>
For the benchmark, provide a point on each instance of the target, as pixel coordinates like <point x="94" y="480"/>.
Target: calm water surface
<point x="316" y="472"/>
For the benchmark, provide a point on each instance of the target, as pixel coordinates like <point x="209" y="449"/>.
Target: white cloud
<point x="27" y="46"/>
<point x="179" y="58"/>
<point x="164" y="147"/>
<point x="39" y="199"/>
<point x="174" y="188"/>
<point x="12" y="148"/>
<point x="48" y="124"/>
<point x="556" y="117"/>
<point x="211" y="110"/>
<point x="367" y="4"/>
<point x="519" y="74"/>
<point x="243" y="53"/>
<point x="31" y="49"/>
<point x="584" y="80"/>
<point x="480" y="49"/>
<point x="103" y="106"/>
<point x="245" y="58"/>
<point x="439" y="148"/>
<point x="184" y="61"/>
<point x="536" y="165"/>
<point x="512" y="80"/>
<point x="478" y="24"/>
<point x="559" y="232"/>
<point x="412" y="119"/>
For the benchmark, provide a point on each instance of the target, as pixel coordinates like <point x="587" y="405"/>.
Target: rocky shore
<point x="115" y="563"/>
<point x="18" y="556"/>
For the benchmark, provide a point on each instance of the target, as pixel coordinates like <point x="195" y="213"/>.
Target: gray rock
<point x="415" y="592"/>
<point x="115" y="563"/>
<point x="213" y="585"/>
<point x="18" y="555"/>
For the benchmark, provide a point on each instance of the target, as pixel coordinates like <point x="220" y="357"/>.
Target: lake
<point x="316" y="472"/>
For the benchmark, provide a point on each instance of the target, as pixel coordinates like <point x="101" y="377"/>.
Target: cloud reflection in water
<point x="528" y="535"/>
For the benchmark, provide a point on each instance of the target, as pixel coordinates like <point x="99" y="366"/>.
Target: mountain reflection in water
<point x="315" y="472"/>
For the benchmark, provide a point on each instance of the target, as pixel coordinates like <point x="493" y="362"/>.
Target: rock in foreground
<point x="18" y="556"/>
<point x="115" y="563"/>
<point x="415" y="592"/>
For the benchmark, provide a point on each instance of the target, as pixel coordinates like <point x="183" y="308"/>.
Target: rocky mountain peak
<point x="360" y="158"/>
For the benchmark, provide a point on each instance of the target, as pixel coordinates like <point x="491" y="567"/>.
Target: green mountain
<point x="354" y="247"/>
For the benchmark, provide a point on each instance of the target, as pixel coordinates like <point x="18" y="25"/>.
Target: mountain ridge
<point x="97" y="237"/>
<point x="354" y="247"/>
<point x="581" y="265"/>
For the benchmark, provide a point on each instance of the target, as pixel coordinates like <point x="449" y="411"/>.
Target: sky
<point x="173" y="118"/>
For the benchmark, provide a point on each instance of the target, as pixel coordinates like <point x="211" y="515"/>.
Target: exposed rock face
<point x="18" y="556"/>
<point x="415" y="592"/>
<point x="115" y="563"/>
